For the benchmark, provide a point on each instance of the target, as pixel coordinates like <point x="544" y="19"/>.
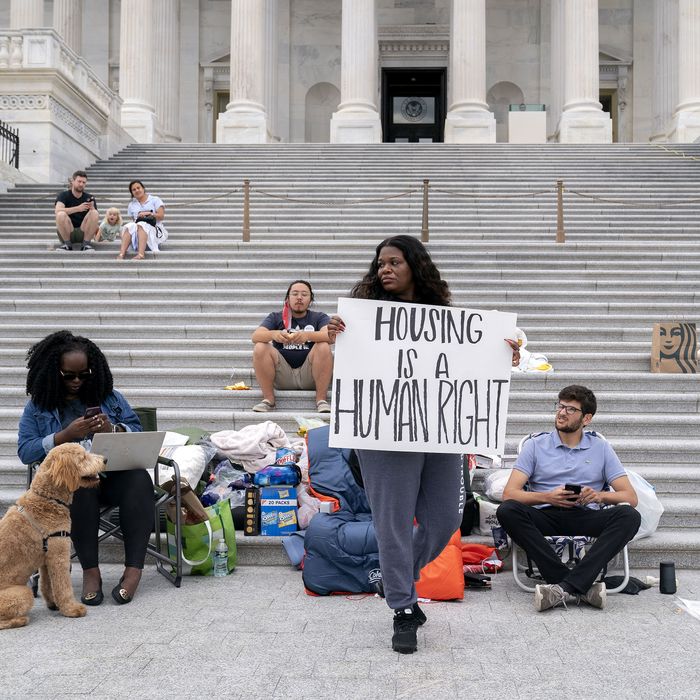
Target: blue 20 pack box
<point x="278" y="510"/>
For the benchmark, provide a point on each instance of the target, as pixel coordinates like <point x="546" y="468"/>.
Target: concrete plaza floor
<point x="256" y="634"/>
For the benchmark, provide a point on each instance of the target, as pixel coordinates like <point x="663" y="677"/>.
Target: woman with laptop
<point x="72" y="398"/>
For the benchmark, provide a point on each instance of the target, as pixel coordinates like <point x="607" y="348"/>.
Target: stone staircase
<point x="176" y="327"/>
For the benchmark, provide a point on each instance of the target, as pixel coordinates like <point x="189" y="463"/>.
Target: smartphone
<point x="92" y="411"/>
<point x="576" y="488"/>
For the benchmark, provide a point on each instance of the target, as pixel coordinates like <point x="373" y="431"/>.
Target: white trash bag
<point x="649" y="505"/>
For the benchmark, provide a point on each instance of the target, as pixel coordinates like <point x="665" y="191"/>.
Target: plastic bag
<point x="495" y="482"/>
<point x="649" y="506"/>
<point x="306" y="424"/>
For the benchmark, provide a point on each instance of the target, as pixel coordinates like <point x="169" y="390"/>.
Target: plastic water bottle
<point x="221" y="559"/>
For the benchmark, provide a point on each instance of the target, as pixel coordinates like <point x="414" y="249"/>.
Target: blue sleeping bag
<point x="342" y="555"/>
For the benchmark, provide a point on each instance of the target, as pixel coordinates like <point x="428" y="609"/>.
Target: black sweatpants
<point x="401" y="486"/>
<point x="132" y="492"/>
<point x="613" y="527"/>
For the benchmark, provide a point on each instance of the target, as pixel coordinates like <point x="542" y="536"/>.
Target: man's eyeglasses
<point x="70" y="376"/>
<point x="570" y="410"/>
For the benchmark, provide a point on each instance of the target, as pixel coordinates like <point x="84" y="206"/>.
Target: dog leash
<point x="44" y="538"/>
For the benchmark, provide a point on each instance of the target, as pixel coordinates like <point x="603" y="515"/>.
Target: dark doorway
<point x="413" y="104"/>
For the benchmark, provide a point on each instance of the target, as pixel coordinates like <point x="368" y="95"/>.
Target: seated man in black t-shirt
<point x="76" y="209"/>
<point x="292" y="349"/>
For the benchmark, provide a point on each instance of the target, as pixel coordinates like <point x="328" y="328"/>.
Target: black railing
<point x="9" y="144"/>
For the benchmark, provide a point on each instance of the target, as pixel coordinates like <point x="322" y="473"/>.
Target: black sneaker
<point x="421" y="619"/>
<point x="406" y="623"/>
<point x="86" y="247"/>
<point x="65" y="246"/>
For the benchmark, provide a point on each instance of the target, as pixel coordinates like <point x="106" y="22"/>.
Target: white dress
<point x="156" y="235"/>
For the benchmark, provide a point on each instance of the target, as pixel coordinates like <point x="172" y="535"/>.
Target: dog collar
<point x="51" y="498"/>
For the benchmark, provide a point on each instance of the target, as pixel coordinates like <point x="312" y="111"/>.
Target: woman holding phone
<point x="71" y="398"/>
<point x="407" y="487"/>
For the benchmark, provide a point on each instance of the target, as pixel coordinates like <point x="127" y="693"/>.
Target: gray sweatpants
<point x="399" y="487"/>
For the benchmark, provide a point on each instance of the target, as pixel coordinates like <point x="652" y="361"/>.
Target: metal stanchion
<point x="425" y="230"/>
<point x="561" y="234"/>
<point x="246" y="211"/>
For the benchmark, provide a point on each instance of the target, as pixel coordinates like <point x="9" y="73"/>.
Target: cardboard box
<point x="674" y="348"/>
<point x="278" y="510"/>
<point x="252" y="511"/>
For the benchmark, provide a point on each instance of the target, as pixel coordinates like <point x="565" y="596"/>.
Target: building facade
<point x="81" y="78"/>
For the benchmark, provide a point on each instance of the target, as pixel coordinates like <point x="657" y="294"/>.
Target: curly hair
<point x="44" y="382"/>
<point x="429" y="287"/>
<point x="582" y="394"/>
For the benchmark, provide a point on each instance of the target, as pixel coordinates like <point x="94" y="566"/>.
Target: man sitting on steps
<point x="292" y="349"/>
<point x="77" y="218"/>
<point x="547" y="464"/>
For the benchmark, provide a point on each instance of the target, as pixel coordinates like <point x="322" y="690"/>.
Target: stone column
<point x="556" y="61"/>
<point x="26" y="14"/>
<point x="166" y="88"/>
<point x="665" y="67"/>
<point x="468" y="118"/>
<point x="357" y="119"/>
<point x="583" y="119"/>
<point x="68" y="22"/>
<point x="685" y="126"/>
<point x="137" y="33"/>
<point x="245" y="120"/>
<point x="271" y="57"/>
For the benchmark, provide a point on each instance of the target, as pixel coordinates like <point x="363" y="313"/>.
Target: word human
<point x="444" y="325"/>
<point x="453" y="412"/>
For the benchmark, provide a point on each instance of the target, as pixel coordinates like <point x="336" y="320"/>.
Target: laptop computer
<point x="128" y="450"/>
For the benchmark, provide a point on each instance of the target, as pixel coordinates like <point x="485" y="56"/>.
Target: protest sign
<point x="413" y="377"/>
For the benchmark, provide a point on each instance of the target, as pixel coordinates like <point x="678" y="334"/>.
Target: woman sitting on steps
<point x="147" y="211"/>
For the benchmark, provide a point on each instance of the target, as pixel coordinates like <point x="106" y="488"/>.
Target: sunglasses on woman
<point x="70" y="376"/>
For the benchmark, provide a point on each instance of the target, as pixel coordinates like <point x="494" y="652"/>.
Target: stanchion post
<point x="425" y="229"/>
<point x="246" y="211"/>
<point x="561" y="234"/>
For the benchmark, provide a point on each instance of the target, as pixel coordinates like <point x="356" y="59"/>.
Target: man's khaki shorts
<point x="287" y="377"/>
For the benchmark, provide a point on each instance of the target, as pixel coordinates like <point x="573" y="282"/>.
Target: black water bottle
<point x="667" y="577"/>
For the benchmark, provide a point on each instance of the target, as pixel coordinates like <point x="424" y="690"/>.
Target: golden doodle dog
<point x="35" y="535"/>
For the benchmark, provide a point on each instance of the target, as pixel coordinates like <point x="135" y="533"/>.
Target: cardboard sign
<point x="413" y="377"/>
<point x="674" y="347"/>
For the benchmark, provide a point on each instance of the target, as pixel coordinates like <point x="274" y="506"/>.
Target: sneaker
<point x="323" y="406"/>
<point x="264" y="406"/>
<point x="86" y="248"/>
<point x="405" y="640"/>
<point x="550" y="595"/>
<point x="595" y="596"/>
<point x="421" y="619"/>
<point x="65" y="246"/>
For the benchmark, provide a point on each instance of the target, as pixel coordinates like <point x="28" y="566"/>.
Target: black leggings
<point x="132" y="492"/>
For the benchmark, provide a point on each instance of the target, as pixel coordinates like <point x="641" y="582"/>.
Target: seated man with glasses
<point x="292" y="349"/>
<point x="549" y="465"/>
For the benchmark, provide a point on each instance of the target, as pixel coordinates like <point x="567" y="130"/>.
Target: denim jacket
<point x="38" y="426"/>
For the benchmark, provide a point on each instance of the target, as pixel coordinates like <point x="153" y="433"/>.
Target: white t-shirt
<point x="151" y="204"/>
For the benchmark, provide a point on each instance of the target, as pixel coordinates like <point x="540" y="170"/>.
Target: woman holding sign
<point x="405" y="486"/>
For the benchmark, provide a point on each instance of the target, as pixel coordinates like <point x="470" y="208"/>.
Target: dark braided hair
<point x="429" y="287"/>
<point x="44" y="382"/>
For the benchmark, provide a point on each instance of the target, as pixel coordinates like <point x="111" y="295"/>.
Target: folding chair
<point x="109" y="525"/>
<point x="572" y="547"/>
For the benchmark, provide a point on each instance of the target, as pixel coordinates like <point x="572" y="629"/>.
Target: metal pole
<point x="561" y="234"/>
<point x="246" y="211"/>
<point x="425" y="230"/>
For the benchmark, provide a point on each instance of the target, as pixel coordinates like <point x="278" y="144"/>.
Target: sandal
<point x="138" y="257"/>
<point x="120" y="256"/>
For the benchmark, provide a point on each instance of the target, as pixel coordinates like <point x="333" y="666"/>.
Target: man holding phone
<point x="566" y="473"/>
<point x="77" y="218"/>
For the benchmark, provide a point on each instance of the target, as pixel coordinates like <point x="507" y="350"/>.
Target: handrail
<point x="9" y="144"/>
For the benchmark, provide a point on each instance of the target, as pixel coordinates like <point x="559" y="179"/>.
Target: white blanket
<point x="254" y="446"/>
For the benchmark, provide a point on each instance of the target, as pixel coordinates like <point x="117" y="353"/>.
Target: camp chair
<point x="572" y="549"/>
<point x="109" y="516"/>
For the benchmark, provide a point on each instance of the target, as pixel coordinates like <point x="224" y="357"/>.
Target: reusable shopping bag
<point x="198" y="541"/>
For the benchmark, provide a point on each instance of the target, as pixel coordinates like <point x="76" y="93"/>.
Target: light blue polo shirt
<point x="549" y="463"/>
